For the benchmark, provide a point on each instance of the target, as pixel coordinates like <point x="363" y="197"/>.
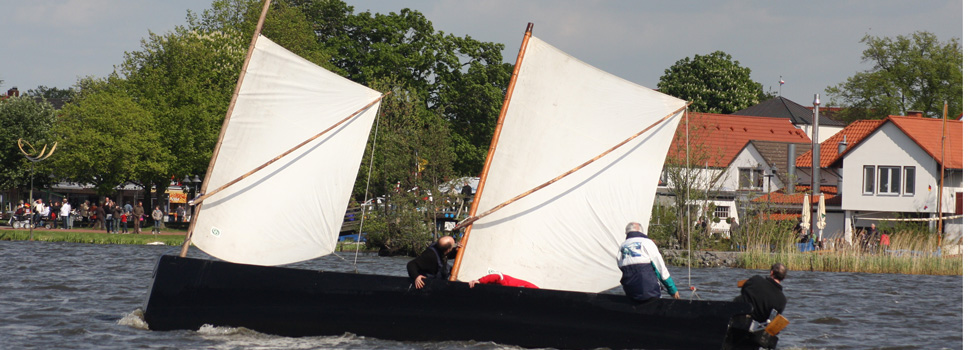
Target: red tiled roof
<point x="927" y="133"/>
<point x="720" y="137"/>
<point x="855" y="132"/>
<point x="823" y="189"/>
<point x="795" y="198"/>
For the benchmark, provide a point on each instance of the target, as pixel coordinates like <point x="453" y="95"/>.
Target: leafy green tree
<point x="22" y="118"/>
<point x="460" y="78"/>
<point x="106" y="139"/>
<point x="713" y="83"/>
<point x="411" y="158"/>
<point x="916" y="72"/>
<point x="50" y="92"/>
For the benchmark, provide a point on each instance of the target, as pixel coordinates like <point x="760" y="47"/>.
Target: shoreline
<point x="168" y="237"/>
<point x="811" y="261"/>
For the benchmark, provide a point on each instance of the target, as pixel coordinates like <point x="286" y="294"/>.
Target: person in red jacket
<point x="502" y="279"/>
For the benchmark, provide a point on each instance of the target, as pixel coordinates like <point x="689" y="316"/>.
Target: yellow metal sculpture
<point x="34" y="156"/>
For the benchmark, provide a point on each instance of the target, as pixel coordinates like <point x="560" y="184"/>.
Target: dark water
<point x="80" y="296"/>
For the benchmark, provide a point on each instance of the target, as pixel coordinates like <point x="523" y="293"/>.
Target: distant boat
<point x="562" y="237"/>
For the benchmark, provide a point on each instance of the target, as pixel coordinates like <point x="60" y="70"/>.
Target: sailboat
<point x="562" y="234"/>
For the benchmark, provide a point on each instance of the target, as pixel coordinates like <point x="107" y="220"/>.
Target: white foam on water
<point x="209" y="330"/>
<point x="134" y="319"/>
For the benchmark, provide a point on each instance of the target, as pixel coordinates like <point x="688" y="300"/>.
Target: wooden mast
<point x="224" y="125"/>
<point x="942" y="176"/>
<point x="492" y="149"/>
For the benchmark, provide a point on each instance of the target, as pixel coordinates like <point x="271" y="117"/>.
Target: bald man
<point x="433" y="262"/>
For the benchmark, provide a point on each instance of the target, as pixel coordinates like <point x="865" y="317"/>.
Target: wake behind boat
<point x="561" y="114"/>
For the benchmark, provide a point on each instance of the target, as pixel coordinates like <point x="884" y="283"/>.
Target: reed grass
<point x="910" y="252"/>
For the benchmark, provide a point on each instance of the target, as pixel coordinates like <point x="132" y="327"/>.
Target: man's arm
<point x="661" y="269"/>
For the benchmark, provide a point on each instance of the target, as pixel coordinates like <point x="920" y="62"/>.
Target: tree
<point x="106" y="139"/>
<point x="916" y="72"/>
<point x="49" y="92"/>
<point x="713" y="83"/>
<point x="689" y="179"/>
<point x="459" y="78"/>
<point x="411" y="159"/>
<point x="22" y="118"/>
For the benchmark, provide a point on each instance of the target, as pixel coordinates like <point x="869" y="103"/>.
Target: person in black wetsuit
<point x="433" y="262"/>
<point x="765" y="293"/>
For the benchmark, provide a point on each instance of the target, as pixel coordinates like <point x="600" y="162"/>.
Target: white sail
<point x="291" y="210"/>
<point x="562" y="113"/>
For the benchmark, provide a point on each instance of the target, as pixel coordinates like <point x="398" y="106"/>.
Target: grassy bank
<point x="89" y="237"/>
<point x="909" y="253"/>
<point x="104" y="238"/>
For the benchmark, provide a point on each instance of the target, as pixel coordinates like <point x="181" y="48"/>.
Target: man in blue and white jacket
<point x="643" y="267"/>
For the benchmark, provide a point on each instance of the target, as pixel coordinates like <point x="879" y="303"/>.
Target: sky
<point x="810" y="44"/>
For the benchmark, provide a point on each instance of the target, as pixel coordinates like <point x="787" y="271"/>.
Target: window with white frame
<point x="909" y="188"/>
<point x="749" y="178"/>
<point x="721" y="212"/>
<point x="889" y="179"/>
<point x="869" y="179"/>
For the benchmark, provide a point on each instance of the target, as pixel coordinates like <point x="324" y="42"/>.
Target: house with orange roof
<point x="724" y="150"/>
<point x="891" y="168"/>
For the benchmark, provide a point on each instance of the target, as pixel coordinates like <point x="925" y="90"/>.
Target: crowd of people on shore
<point x="108" y="215"/>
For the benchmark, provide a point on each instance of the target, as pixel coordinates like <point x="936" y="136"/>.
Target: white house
<point x="721" y="153"/>
<point x="891" y="168"/>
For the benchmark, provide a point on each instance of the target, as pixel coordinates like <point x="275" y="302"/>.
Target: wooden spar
<point x="469" y="221"/>
<point x="942" y="176"/>
<point x="291" y="150"/>
<point x="492" y="149"/>
<point x="224" y="125"/>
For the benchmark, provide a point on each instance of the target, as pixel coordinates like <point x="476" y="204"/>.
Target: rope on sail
<point x="202" y="197"/>
<point x="470" y="220"/>
<point x="367" y="184"/>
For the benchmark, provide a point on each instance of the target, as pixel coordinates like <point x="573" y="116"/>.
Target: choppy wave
<point x="134" y="319"/>
<point x="97" y="287"/>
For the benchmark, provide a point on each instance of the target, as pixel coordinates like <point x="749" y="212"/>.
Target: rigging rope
<point x="687" y="194"/>
<point x="367" y="184"/>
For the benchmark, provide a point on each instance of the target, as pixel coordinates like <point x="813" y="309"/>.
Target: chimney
<point x="841" y="146"/>
<point x="790" y="168"/>
<point x="917" y="114"/>
<point x="13" y="92"/>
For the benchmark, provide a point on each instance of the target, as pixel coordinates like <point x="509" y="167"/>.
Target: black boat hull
<point x="188" y="293"/>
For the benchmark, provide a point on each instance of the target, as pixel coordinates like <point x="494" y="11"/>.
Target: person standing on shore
<point x="157" y="216"/>
<point x="83" y="212"/>
<point x="644" y="270"/>
<point x="138" y="215"/>
<point x="99" y="213"/>
<point x="66" y="214"/>
<point x="124" y="219"/>
<point x="116" y="217"/>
